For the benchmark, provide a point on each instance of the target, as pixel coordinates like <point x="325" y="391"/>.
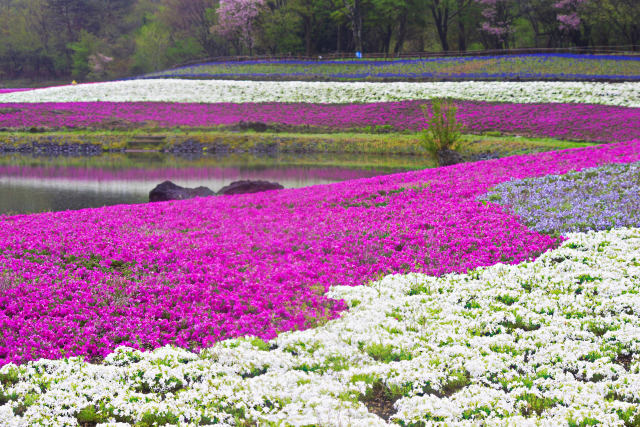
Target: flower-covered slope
<point x="195" y="272"/>
<point x="592" y="199"/>
<point x="216" y="91"/>
<point x="587" y="122"/>
<point x="13" y="90"/>
<point x="553" y="341"/>
<point x="499" y="67"/>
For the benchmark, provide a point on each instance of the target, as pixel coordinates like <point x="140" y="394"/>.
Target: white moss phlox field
<point x="213" y="91"/>
<point x="548" y="342"/>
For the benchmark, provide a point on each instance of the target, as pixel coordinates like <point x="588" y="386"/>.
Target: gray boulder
<point x="247" y="186"/>
<point x="170" y="191"/>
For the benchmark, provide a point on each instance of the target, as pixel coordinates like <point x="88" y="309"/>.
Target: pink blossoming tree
<point x="568" y="17"/>
<point x="237" y="21"/>
<point x="498" y="24"/>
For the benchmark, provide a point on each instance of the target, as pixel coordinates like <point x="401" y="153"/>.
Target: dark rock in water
<point x="243" y="187"/>
<point x="170" y="191"/>
<point x="478" y="157"/>
<point x="448" y="157"/>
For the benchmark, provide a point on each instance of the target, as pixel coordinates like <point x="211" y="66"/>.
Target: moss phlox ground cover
<point x="588" y="122"/>
<point x="195" y="272"/>
<point x="592" y="199"/>
<point x="555" y="341"/>
<point x="217" y="91"/>
<point x="539" y="66"/>
<point x="233" y="310"/>
<point x="13" y="90"/>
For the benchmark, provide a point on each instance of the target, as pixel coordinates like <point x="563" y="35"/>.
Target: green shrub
<point x="387" y="353"/>
<point x="443" y="132"/>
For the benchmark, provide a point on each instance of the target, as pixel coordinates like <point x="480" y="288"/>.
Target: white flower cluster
<point x="548" y="342"/>
<point x="211" y="91"/>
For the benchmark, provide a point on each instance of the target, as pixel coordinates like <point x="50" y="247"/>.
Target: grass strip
<point x="286" y="142"/>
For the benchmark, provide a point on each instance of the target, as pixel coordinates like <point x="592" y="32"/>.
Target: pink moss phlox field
<point x="588" y="122"/>
<point x="14" y="90"/>
<point x="193" y="272"/>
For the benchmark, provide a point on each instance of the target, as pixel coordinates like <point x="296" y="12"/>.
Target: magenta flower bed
<point x="13" y="90"/>
<point x="566" y="121"/>
<point x="194" y="272"/>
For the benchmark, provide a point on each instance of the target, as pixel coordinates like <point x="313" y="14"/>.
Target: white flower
<point x="539" y="354"/>
<point x="214" y="91"/>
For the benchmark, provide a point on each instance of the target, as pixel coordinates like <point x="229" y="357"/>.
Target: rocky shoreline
<point x="53" y="149"/>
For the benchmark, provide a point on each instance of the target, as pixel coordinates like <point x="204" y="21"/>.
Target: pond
<point x="30" y="184"/>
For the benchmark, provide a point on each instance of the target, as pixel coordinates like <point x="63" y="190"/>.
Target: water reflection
<point x="36" y="184"/>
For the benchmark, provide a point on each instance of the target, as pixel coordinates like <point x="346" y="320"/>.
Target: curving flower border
<point x="226" y="91"/>
<point x="195" y="272"/>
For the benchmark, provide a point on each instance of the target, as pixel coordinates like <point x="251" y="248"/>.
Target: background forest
<point x="102" y="39"/>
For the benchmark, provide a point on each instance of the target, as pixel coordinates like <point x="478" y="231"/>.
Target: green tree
<point x="306" y="11"/>
<point x="281" y="27"/>
<point x="352" y="9"/>
<point x="152" y="42"/>
<point x="443" y="13"/>
<point x="622" y="16"/>
<point x="86" y="46"/>
<point x="442" y="137"/>
<point x="192" y="20"/>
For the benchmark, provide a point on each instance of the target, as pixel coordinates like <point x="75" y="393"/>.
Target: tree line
<point x="100" y="39"/>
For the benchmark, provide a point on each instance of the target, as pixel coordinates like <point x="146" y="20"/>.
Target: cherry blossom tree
<point x="237" y="21"/>
<point x="568" y="17"/>
<point x="498" y="23"/>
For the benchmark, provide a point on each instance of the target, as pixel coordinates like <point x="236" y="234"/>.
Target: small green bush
<point x="443" y="132"/>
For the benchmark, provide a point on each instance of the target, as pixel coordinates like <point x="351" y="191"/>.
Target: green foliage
<point x="366" y="378"/>
<point x="387" y="353"/>
<point x="598" y="329"/>
<point x="476" y="413"/>
<point x="630" y="417"/>
<point x="456" y="382"/>
<point x="472" y="304"/>
<point x="23" y="405"/>
<point x="150" y="419"/>
<point x="152" y="42"/>
<point x="89" y="415"/>
<point x="260" y="344"/>
<point x="535" y="405"/>
<point x="82" y="49"/>
<point x="277" y="35"/>
<point x="506" y="299"/>
<point x="184" y="49"/>
<point x="11" y="377"/>
<point x="584" y="423"/>
<point x="443" y="132"/>
<point x="48" y="38"/>
<point x="519" y="323"/>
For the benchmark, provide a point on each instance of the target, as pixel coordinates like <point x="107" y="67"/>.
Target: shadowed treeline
<point x="59" y="40"/>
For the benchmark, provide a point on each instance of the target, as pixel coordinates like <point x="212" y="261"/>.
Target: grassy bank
<point x="250" y="141"/>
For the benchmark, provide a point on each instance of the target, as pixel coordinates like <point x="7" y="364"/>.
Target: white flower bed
<point x="210" y="91"/>
<point x="552" y="341"/>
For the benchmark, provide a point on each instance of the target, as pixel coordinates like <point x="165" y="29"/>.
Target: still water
<point x="31" y="184"/>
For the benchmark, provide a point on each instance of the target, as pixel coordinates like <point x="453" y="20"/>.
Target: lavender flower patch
<point x="593" y="199"/>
